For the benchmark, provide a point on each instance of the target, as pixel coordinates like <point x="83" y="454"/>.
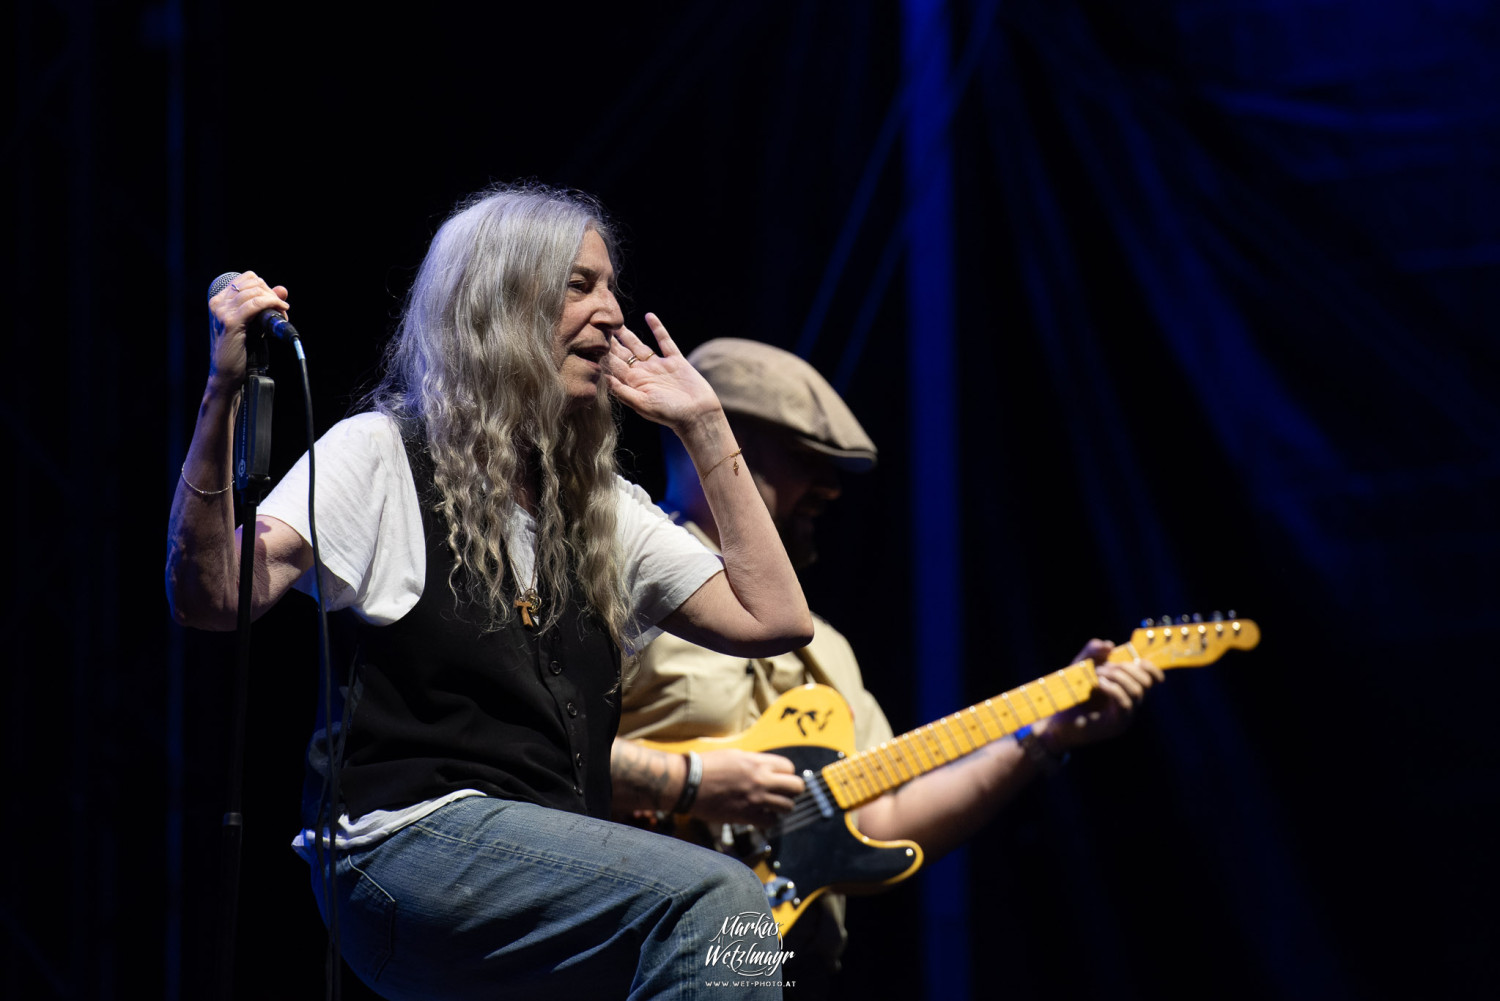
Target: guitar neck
<point x="868" y="775"/>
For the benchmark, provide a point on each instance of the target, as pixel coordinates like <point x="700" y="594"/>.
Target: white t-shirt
<point x="371" y="541"/>
<point x="374" y="550"/>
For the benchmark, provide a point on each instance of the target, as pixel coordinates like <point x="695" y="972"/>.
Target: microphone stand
<point x="252" y="464"/>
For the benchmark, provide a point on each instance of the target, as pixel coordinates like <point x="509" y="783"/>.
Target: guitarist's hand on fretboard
<point x="1107" y="713"/>
<point x="869" y="817"/>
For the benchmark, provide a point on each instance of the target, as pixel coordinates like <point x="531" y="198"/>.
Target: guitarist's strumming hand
<point x="737" y="787"/>
<point x="745" y="787"/>
<point x="1122" y="686"/>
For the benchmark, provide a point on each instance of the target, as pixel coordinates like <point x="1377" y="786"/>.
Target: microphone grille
<point x="222" y="282"/>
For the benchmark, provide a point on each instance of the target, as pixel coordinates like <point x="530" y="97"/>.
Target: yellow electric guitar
<point x="816" y="846"/>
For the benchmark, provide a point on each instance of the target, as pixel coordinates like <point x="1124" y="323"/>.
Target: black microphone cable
<point x="330" y="799"/>
<point x="330" y="802"/>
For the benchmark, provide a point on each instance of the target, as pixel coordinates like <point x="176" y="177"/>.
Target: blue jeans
<point x="493" y="899"/>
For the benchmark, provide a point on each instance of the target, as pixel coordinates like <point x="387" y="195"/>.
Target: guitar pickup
<point x="819" y="793"/>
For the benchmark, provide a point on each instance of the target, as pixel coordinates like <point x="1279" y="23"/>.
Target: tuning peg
<point x="1183" y="619"/>
<point x="1147" y="623"/>
<point x="1197" y="617"/>
<point x="1217" y="617"/>
<point x="1232" y="614"/>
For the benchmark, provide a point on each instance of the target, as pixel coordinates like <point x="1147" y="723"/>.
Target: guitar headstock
<point x="1191" y="641"/>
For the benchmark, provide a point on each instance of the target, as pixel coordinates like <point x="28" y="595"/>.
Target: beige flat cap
<point x="764" y="382"/>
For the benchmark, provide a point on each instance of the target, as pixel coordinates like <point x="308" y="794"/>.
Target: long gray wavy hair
<point x="473" y="361"/>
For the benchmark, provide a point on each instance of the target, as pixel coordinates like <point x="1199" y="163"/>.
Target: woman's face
<point x="590" y="318"/>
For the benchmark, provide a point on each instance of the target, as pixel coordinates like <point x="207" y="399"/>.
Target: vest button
<point x="555" y="667"/>
<point x="578" y="759"/>
<point x="572" y="709"/>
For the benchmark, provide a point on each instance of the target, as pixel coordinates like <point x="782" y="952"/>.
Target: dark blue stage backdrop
<point x="1152" y="308"/>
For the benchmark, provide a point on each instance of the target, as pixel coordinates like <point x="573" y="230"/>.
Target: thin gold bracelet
<point x="199" y="490"/>
<point x="731" y="455"/>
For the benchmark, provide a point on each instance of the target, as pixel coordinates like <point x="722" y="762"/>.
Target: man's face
<point x="796" y="484"/>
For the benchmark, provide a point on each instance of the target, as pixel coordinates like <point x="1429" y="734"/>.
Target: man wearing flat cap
<point x="797" y="435"/>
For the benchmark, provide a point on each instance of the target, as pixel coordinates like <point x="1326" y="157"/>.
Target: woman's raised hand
<point x="659" y="385"/>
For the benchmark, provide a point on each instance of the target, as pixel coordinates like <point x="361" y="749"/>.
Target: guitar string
<point x="804" y="811"/>
<point x="794" y="821"/>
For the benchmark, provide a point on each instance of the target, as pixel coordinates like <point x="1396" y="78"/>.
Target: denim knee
<point x="734" y="888"/>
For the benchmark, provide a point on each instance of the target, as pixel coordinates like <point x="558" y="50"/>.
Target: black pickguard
<point x="821" y="852"/>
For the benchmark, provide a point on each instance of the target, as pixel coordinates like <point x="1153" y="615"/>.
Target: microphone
<point x="252" y="424"/>
<point x="267" y="322"/>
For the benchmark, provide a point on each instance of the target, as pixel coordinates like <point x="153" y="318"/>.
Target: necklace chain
<point x="527" y="599"/>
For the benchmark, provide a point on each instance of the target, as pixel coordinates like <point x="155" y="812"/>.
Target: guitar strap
<point x="814" y="668"/>
<point x="829" y="660"/>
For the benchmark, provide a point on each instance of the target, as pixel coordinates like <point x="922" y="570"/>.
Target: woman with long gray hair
<point x="494" y="566"/>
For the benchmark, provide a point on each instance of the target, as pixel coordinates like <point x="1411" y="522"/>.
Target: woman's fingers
<point x="667" y="346"/>
<point x="633" y="346"/>
<point x="639" y="349"/>
<point x="247" y="295"/>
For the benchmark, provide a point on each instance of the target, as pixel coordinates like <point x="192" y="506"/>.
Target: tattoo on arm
<point x="641" y="775"/>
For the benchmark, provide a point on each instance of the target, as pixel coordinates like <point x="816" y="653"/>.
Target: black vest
<point x="443" y="705"/>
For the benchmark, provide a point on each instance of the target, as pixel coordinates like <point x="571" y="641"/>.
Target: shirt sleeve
<point x="369" y="524"/>
<point x="663" y="564"/>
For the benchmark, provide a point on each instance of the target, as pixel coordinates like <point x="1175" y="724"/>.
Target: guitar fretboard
<point x="862" y="777"/>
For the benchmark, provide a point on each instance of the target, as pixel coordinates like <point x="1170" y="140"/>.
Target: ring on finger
<point x="632" y="361"/>
<point x="234" y="286"/>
